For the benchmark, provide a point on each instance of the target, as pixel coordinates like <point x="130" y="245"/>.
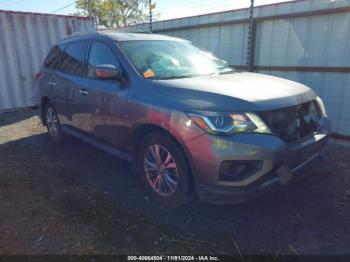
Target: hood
<point x="236" y="91"/>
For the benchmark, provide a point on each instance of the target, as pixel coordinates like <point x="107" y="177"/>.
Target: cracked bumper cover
<point x="282" y="164"/>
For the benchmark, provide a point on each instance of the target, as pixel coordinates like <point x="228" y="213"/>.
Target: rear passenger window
<point x="100" y="54"/>
<point x="53" y="58"/>
<point x="72" y="61"/>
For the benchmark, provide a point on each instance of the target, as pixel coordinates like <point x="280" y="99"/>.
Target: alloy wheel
<point x="52" y="121"/>
<point x="161" y="170"/>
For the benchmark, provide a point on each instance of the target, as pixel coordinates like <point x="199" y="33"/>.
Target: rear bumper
<point x="279" y="177"/>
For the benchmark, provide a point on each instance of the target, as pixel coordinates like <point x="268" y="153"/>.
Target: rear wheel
<point x="53" y="124"/>
<point x="164" y="169"/>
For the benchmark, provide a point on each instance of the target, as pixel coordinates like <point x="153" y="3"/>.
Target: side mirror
<point x="108" y="72"/>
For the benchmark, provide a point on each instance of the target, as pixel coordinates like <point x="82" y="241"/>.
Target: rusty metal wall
<point x="305" y="40"/>
<point x="25" y="39"/>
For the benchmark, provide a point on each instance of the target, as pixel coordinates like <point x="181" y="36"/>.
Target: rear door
<point x="48" y="79"/>
<point x="66" y="82"/>
<point x="103" y="101"/>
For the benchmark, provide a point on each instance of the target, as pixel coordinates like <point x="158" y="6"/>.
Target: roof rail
<point x="136" y="31"/>
<point x="124" y="30"/>
<point x="81" y="33"/>
<point x="89" y="31"/>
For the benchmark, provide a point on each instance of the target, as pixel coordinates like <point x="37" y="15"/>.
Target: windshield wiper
<point x="193" y="75"/>
<point x="227" y="72"/>
<point x="177" y="76"/>
<point x="231" y="70"/>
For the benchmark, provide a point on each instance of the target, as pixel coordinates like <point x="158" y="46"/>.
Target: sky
<point x="165" y="9"/>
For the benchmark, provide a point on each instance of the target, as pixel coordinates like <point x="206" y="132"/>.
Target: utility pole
<point x="90" y="14"/>
<point x="150" y="14"/>
<point x="114" y="14"/>
<point x="251" y="38"/>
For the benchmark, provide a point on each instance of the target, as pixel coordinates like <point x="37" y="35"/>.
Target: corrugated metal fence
<point x="306" y="41"/>
<point x="25" y="39"/>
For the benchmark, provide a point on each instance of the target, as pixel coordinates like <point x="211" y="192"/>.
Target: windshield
<point x="172" y="59"/>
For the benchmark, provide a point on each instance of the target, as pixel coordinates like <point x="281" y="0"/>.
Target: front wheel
<point x="164" y="169"/>
<point x="53" y="124"/>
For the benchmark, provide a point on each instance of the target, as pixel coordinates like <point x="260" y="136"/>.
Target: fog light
<point x="238" y="170"/>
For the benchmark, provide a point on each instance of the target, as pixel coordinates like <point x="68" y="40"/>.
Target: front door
<point x="102" y="100"/>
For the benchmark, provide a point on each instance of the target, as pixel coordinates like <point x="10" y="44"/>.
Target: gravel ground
<point x="74" y="199"/>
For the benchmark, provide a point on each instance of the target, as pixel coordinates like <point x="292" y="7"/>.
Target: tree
<point x="115" y="13"/>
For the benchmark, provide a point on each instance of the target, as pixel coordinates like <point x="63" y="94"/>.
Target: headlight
<point x="220" y="123"/>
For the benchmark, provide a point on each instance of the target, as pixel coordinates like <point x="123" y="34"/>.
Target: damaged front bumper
<point x="274" y="180"/>
<point x="281" y="164"/>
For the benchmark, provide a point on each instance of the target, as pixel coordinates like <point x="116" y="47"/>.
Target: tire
<point x="53" y="123"/>
<point x="172" y="172"/>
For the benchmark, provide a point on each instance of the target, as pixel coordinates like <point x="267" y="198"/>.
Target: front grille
<point x="293" y="123"/>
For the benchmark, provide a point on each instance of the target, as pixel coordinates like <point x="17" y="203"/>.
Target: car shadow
<point x="100" y="190"/>
<point x="11" y="117"/>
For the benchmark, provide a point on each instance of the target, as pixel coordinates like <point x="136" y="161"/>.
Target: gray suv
<point x="189" y="123"/>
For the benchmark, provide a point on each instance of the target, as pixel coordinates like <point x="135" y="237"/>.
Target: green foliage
<point x="115" y="13"/>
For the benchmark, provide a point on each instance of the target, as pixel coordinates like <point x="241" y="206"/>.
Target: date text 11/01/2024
<point x="173" y="258"/>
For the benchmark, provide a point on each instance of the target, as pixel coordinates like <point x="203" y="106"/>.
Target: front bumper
<point x="279" y="177"/>
<point x="282" y="163"/>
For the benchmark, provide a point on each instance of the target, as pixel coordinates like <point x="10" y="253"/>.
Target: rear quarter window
<point x="54" y="57"/>
<point x="72" y="60"/>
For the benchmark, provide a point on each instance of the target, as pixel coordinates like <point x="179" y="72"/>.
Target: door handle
<point x="52" y="83"/>
<point x="83" y="92"/>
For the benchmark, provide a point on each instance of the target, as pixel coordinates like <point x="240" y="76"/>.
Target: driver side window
<point x="100" y="54"/>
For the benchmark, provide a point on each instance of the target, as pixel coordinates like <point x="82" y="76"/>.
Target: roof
<point x="123" y="36"/>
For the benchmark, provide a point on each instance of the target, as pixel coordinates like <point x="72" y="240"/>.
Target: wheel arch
<point x="145" y="129"/>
